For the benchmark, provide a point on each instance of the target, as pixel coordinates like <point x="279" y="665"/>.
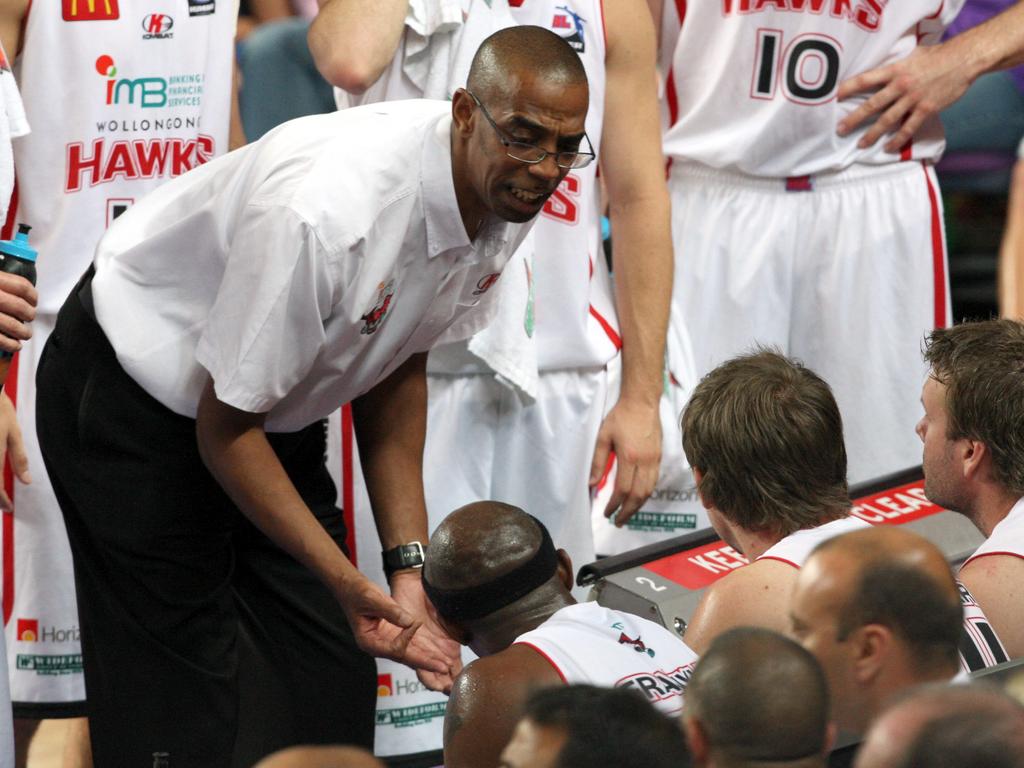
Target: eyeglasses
<point x="531" y="153"/>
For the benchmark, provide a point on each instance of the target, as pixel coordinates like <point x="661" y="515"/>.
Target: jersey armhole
<point x="779" y="559"/>
<point x="547" y="658"/>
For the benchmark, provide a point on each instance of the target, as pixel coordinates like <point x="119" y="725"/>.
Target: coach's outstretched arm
<point x="931" y="78"/>
<point x="234" y="447"/>
<point x="353" y="41"/>
<point x="633" y="168"/>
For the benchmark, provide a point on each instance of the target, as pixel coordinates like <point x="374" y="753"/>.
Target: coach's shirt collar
<point x="445" y="230"/>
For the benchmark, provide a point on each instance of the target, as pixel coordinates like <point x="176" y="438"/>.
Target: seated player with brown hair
<point x="500" y="587"/>
<point x="765" y="439"/>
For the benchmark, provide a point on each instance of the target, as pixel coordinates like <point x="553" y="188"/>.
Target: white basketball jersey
<point x="797" y="547"/>
<point x="751" y="86"/>
<point x="588" y="643"/>
<point x="1007" y="537"/>
<point x="980" y="647"/>
<point x="123" y="95"/>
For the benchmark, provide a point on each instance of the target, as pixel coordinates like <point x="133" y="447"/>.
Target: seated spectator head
<point x="580" y="726"/>
<point x="755" y="698"/>
<point x="320" y="757"/>
<point x="491" y="572"/>
<point x="947" y="726"/>
<point x="881" y="611"/>
<point x="973" y="401"/>
<point x="765" y="439"/>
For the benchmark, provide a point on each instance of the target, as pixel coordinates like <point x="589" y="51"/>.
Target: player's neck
<point x="503" y="634"/>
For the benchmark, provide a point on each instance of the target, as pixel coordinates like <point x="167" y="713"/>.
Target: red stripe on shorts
<point x="348" y="508"/>
<point x="938" y="252"/>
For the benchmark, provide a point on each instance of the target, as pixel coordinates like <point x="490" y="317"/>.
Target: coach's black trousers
<point x="200" y="637"/>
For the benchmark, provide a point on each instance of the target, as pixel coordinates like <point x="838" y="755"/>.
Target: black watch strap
<point x="403" y="556"/>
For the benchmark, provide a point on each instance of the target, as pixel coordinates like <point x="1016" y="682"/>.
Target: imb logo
<point x="157" y="26"/>
<point x="151" y="91"/>
<point x="384" y="686"/>
<point x="90" y="10"/>
<point x="28" y="630"/>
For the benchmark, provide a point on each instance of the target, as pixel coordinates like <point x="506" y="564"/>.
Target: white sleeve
<point x="266" y="326"/>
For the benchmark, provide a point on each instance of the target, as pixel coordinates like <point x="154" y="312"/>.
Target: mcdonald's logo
<point x="90" y="10"/>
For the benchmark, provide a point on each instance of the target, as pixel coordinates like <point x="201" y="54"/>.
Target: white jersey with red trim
<point x="588" y="643"/>
<point x="751" y="85"/>
<point x="797" y="547"/>
<point x="1007" y="538"/>
<point x="123" y="95"/>
<point x="980" y="647"/>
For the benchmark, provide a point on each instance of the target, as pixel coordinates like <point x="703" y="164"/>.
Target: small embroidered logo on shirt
<point x="373" y="318"/>
<point x="638" y="644"/>
<point x="484" y="283"/>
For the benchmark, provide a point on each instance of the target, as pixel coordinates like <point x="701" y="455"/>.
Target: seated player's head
<point x="947" y="726"/>
<point x="580" y="726"/>
<point x="765" y="439"/>
<point x="756" y="697"/>
<point x="974" y="407"/>
<point x="320" y="757"/>
<point x="491" y="568"/>
<point x="527" y="88"/>
<point x="881" y="611"/>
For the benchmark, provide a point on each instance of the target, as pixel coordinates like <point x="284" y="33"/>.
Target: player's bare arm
<point x="486" y="703"/>
<point x="756" y="595"/>
<point x="632" y="165"/>
<point x="390" y="423"/>
<point x="910" y="91"/>
<point x="997" y="583"/>
<point x="353" y="41"/>
<point x="234" y="447"/>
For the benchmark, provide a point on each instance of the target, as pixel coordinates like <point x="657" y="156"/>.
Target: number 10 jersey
<point x="751" y="84"/>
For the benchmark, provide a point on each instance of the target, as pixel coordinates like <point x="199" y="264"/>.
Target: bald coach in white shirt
<point x="183" y="391"/>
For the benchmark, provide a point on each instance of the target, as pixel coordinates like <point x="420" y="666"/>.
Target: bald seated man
<point x="881" y="611"/>
<point x="757" y="697"/>
<point x="765" y="439"/>
<point x="501" y="588"/>
<point x="320" y="757"/>
<point x="582" y="726"/>
<point x="947" y="726"/>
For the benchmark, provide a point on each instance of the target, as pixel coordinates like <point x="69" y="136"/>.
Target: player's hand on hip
<point x="907" y="93"/>
<point x="632" y="431"/>
<point x="407" y="589"/>
<point x="12" y="447"/>
<point x="18" y="299"/>
<point x="385" y="629"/>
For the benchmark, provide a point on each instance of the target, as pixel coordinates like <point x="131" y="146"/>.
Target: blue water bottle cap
<point x="19" y="246"/>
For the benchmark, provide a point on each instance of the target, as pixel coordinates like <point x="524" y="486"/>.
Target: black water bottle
<point x="19" y="258"/>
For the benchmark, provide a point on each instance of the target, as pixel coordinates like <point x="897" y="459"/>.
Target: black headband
<point x="484" y="599"/>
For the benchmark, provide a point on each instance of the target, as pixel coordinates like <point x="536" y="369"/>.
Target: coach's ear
<point x="696" y="739"/>
<point x="564" y="571"/>
<point x="463" y="107"/>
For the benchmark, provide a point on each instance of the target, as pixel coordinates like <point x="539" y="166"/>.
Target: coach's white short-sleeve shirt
<point x="301" y="270"/>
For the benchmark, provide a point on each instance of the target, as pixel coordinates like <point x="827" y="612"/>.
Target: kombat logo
<point x="151" y="92"/>
<point x="573" y="21"/>
<point x="134" y="159"/>
<point x="90" y="10"/>
<point x="659" y="685"/>
<point x="638" y="644"/>
<point x="157" y="26"/>
<point x="373" y="318"/>
<point x="484" y="283"/>
<point x="28" y="632"/>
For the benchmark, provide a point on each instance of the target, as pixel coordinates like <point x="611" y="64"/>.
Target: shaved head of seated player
<point x="582" y="726"/>
<point x="320" y="757"/>
<point x="525" y="79"/>
<point x="765" y="439"/>
<point x="880" y="610"/>
<point x="947" y="726"/>
<point x="500" y="586"/>
<point x="757" y="697"/>
<point x="973" y="458"/>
